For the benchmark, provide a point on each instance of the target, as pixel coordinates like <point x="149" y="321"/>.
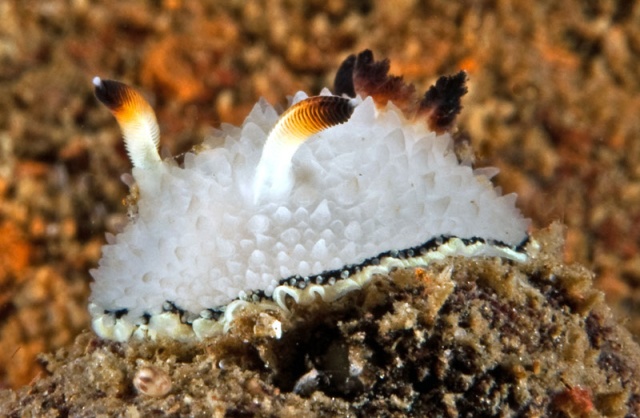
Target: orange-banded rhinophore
<point x="287" y="209"/>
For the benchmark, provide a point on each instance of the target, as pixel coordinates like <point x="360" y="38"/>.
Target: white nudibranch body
<point x="221" y="233"/>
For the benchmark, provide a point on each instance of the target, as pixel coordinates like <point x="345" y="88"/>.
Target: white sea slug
<point x="290" y="208"/>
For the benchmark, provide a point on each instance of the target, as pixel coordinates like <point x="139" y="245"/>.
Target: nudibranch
<point x="307" y="205"/>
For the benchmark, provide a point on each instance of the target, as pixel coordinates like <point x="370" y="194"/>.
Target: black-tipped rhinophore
<point x="318" y="113"/>
<point x="300" y="122"/>
<point x="136" y="118"/>
<point x="442" y="101"/>
<point x="343" y="82"/>
<point x="111" y="93"/>
<point x="306" y="118"/>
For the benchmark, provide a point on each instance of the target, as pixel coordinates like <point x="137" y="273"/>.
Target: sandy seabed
<point x="461" y="337"/>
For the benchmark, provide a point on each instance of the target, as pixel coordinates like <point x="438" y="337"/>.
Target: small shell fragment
<point x="152" y="381"/>
<point x="308" y="383"/>
<point x="267" y="326"/>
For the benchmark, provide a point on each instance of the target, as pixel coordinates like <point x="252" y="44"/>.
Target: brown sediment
<point x="458" y="338"/>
